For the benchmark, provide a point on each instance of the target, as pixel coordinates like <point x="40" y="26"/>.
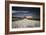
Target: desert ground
<point x="25" y="23"/>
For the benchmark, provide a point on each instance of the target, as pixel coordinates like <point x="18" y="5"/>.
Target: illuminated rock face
<point x="25" y="23"/>
<point x="29" y="17"/>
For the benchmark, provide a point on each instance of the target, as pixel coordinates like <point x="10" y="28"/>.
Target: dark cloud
<point x="26" y="11"/>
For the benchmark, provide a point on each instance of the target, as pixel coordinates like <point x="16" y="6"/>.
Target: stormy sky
<point x="26" y="11"/>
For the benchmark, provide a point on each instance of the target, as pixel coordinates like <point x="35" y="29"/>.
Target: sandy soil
<point x="25" y="23"/>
